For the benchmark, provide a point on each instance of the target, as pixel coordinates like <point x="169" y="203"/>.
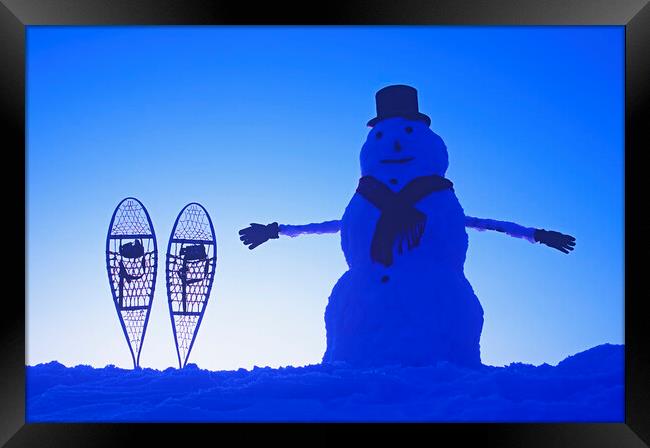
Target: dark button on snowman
<point x="405" y="299"/>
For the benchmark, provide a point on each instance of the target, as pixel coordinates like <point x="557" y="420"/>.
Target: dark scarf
<point x="399" y="219"/>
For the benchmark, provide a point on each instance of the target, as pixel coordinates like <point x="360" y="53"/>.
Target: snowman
<point x="404" y="299"/>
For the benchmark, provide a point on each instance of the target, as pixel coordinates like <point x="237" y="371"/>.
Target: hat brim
<point x="415" y="117"/>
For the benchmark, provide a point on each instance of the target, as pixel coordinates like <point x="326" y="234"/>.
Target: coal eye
<point x="408" y="129"/>
<point x="378" y="134"/>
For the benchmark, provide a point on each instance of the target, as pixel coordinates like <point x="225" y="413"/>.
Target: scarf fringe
<point x="411" y="236"/>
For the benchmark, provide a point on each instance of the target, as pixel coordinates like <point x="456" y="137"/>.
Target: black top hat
<point x="398" y="101"/>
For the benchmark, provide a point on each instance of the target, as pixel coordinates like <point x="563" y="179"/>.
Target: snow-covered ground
<point x="587" y="387"/>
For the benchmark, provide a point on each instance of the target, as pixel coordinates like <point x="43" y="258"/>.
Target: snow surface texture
<point x="421" y="309"/>
<point x="587" y="387"/>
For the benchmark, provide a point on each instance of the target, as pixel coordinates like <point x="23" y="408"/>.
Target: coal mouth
<point x="405" y="160"/>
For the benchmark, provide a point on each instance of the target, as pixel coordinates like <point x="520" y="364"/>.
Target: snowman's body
<point x="421" y="309"/>
<point x="418" y="311"/>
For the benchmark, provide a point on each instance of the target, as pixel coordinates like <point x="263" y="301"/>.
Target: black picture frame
<point x="15" y="15"/>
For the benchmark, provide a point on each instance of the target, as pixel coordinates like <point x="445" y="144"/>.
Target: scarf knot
<point x="399" y="223"/>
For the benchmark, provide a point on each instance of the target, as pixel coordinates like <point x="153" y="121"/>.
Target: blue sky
<point x="263" y="124"/>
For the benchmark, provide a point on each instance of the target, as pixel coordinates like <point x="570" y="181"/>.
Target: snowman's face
<point x="397" y="148"/>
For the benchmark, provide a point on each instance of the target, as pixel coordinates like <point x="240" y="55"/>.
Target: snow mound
<point x="586" y="387"/>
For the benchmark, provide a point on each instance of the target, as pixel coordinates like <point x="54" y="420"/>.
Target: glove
<point x="556" y="240"/>
<point x="257" y="234"/>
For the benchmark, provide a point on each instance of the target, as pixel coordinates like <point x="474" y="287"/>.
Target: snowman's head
<point x="404" y="149"/>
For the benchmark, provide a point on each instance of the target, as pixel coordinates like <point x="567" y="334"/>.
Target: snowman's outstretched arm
<point x="257" y="234"/>
<point x="313" y="228"/>
<point x="560" y="241"/>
